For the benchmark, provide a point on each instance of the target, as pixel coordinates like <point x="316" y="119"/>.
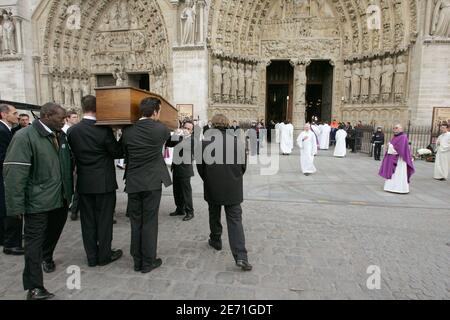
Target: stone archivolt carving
<point x="324" y="48"/>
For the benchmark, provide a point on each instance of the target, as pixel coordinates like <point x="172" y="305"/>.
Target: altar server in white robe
<point x="316" y="130"/>
<point x="324" y="138"/>
<point x="287" y="138"/>
<point x="308" y="149"/>
<point x="442" y="163"/>
<point x="277" y="132"/>
<point x="340" y="150"/>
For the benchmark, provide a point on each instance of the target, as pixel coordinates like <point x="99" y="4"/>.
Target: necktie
<point x="55" y="141"/>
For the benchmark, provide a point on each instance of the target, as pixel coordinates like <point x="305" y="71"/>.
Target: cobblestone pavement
<point x="308" y="238"/>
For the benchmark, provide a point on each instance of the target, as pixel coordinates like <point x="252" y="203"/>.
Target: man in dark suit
<point x="95" y="148"/>
<point x="207" y="127"/>
<point x="10" y="227"/>
<point x="24" y="121"/>
<point x="222" y="177"/>
<point x="145" y="171"/>
<point x="183" y="171"/>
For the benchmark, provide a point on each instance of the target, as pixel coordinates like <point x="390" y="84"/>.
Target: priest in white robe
<point x="308" y="149"/>
<point x="316" y="130"/>
<point x="397" y="167"/>
<point x="340" y="150"/>
<point x="287" y="138"/>
<point x="324" y="138"/>
<point x="277" y="132"/>
<point x="442" y="163"/>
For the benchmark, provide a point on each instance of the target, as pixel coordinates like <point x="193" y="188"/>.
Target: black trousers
<point x="75" y="205"/>
<point x="377" y="151"/>
<point x="42" y="232"/>
<point x="143" y="208"/>
<point x="96" y="215"/>
<point x="236" y="235"/>
<point x="182" y="193"/>
<point x="11" y="232"/>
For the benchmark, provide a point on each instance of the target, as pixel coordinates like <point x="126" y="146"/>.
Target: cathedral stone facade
<point x="375" y="61"/>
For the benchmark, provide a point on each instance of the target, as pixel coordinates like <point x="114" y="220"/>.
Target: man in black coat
<point x="223" y="186"/>
<point x="378" y="142"/>
<point x="207" y="127"/>
<point x="95" y="148"/>
<point x="24" y="121"/>
<point x="183" y="144"/>
<point x="10" y="227"/>
<point x="145" y="171"/>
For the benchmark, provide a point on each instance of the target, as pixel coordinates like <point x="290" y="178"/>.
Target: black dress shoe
<point x="188" y="217"/>
<point x="176" y="213"/>
<point x="114" y="221"/>
<point x="115" y="255"/>
<point x="156" y="264"/>
<point x="14" y="251"/>
<point x="48" y="266"/>
<point x="92" y="264"/>
<point x="39" y="294"/>
<point x="244" y="265"/>
<point x="215" y="244"/>
<point x="74" y="216"/>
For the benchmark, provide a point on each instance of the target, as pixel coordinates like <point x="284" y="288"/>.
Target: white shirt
<point x="6" y="124"/>
<point x="65" y="128"/>
<point x="90" y="118"/>
<point x="45" y="127"/>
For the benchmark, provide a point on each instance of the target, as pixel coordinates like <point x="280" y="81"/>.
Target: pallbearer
<point x="397" y="165"/>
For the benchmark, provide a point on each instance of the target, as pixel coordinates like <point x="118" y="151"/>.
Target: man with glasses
<point x="397" y="167"/>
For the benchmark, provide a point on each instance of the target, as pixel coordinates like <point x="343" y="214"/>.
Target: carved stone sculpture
<point x="375" y="76"/>
<point x="217" y="80"/>
<point x="226" y="81"/>
<point x="356" y="81"/>
<point x="8" y="34"/>
<point x="386" y="78"/>
<point x="234" y="82"/>
<point x="241" y="82"/>
<point x="67" y="86"/>
<point x="85" y="86"/>
<point x="255" y="91"/>
<point x="188" y="18"/>
<point x="365" y="81"/>
<point x="57" y="92"/>
<point x="76" y="92"/>
<point x="441" y="19"/>
<point x="121" y="77"/>
<point x="248" y="83"/>
<point x="400" y="78"/>
<point x="347" y="82"/>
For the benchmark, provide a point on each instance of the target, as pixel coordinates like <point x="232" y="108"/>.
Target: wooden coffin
<point x="120" y="106"/>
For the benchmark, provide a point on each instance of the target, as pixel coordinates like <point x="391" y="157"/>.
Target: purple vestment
<point x="401" y="145"/>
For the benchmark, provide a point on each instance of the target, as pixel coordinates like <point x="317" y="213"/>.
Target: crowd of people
<point x="58" y="164"/>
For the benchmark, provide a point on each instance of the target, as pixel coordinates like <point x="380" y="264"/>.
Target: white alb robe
<point x="324" y="138"/>
<point x="340" y="150"/>
<point x="287" y="138"/>
<point x="399" y="181"/>
<point x="308" y="149"/>
<point x="442" y="164"/>
<point x="277" y="133"/>
<point x="316" y="130"/>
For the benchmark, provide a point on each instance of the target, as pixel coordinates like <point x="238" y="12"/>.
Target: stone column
<point x="18" y="26"/>
<point x="428" y="17"/>
<point x="299" y="103"/>
<point x="262" y="76"/>
<point x="202" y="5"/>
<point x="37" y="78"/>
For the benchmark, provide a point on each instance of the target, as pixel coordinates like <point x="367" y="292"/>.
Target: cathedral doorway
<point x="280" y="78"/>
<point x="319" y="91"/>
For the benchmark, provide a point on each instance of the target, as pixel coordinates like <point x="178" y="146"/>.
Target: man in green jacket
<point x="39" y="185"/>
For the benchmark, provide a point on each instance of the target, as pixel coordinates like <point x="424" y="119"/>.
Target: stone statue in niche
<point x="441" y="19"/>
<point x="188" y="22"/>
<point x="365" y="81"/>
<point x="226" y="81"/>
<point x="234" y="82"/>
<point x="76" y="92"/>
<point x="300" y="84"/>
<point x="356" y="81"/>
<point x="120" y="76"/>
<point x="241" y="83"/>
<point x="400" y="78"/>
<point x="248" y="83"/>
<point x="85" y="86"/>
<point x="217" y="80"/>
<point x="67" y="86"/>
<point x="347" y="82"/>
<point x="255" y="91"/>
<point x="57" y="92"/>
<point x="375" y="76"/>
<point x="8" y="34"/>
<point x="386" y="79"/>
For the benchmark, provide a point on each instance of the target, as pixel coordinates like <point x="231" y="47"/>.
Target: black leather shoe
<point x="215" y="244"/>
<point x="114" y="221"/>
<point x="48" y="266"/>
<point x="92" y="264"/>
<point x="156" y="264"/>
<point x="115" y="255"/>
<point x="244" y="265"/>
<point x="188" y="217"/>
<point x="176" y="213"/>
<point x="74" y="216"/>
<point x="39" y="294"/>
<point x="14" y="251"/>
